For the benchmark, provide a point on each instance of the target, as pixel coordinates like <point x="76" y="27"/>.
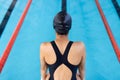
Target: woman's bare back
<point x="74" y="57"/>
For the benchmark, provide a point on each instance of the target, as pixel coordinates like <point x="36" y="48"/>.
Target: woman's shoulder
<point x="44" y="44"/>
<point x="79" y="43"/>
<point x="79" y="46"/>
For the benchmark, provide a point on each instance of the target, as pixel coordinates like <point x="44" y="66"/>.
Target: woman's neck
<point x="62" y="38"/>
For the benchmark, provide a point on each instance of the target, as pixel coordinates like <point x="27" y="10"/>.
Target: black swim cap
<point x="62" y="23"/>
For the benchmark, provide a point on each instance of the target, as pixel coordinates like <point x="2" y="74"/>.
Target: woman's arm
<point x="78" y="76"/>
<point x="48" y="76"/>
<point x="42" y="61"/>
<point x="82" y="63"/>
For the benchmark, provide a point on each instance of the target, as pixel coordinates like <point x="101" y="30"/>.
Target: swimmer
<point x="64" y="58"/>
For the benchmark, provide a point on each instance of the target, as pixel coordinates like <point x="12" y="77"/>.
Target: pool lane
<point x="7" y="16"/>
<point x="113" y="19"/>
<point x="117" y="6"/>
<point x="4" y="5"/>
<point x="101" y="61"/>
<point x="5" y="37"/>
<point x="118" y="2"/>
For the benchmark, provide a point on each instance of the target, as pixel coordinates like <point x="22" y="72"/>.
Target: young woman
<point x="62" y="57"/>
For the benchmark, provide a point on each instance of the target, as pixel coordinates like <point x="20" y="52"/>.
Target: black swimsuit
<point x="62" y="59"/>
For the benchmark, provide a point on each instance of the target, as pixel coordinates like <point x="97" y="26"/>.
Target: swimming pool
<point x="23" y="62"/>
<point x="118" y="2"/>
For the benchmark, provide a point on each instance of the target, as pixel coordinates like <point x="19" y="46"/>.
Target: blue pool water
<point x="23" y="62"/>
<point x="118" y="2"/>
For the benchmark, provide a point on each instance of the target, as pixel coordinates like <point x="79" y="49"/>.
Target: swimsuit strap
<point x="61" y="59"/>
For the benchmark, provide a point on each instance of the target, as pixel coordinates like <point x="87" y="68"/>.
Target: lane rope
<point x="7" y="50"/>
<point x="112" y="39"/>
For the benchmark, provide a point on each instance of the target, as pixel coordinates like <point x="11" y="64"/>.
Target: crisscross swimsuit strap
<point x="62" y="59"/>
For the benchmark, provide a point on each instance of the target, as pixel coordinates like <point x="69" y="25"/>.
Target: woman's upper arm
<point x="82" y="63"/>
<point x="42" y="52"/>
<point x="42" y="60"/>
